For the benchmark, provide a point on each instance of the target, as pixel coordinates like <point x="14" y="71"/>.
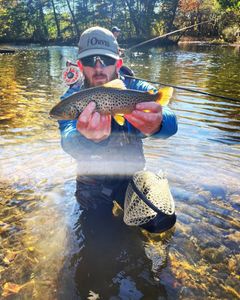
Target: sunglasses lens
<point x="90" y="61"/>
<point x="109" y="61"/>
<point x="87" y="61"/>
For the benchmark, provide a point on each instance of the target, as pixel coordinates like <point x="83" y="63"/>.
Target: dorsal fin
<point x="116" y="83"/>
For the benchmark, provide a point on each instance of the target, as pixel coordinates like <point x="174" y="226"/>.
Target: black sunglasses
<point x="90" y="61"/>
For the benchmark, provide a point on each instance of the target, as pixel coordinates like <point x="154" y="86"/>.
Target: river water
<point x="48" y="250"/>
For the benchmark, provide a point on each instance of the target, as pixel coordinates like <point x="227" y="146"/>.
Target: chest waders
<point x="123" y="156"/>
<point x="144" y="196"/>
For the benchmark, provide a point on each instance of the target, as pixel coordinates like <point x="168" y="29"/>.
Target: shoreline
<point x="184" y="40"/>
<point x="207" y="41"/>
<point x="213" y="43"/>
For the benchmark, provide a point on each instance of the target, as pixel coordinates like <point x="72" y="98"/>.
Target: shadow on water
<point x="112" y="261"/>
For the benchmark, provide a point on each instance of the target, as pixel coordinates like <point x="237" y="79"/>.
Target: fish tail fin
<point x="164" y="95"/>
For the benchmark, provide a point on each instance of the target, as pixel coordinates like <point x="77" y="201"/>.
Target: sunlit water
<point x="50" y="250"/>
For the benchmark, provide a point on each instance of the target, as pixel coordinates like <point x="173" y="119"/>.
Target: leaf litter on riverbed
<point x="11" y="288"/>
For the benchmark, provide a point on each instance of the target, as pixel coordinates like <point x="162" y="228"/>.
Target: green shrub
<point x="231" y="33"/>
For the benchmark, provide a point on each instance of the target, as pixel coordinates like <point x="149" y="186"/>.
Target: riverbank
<point x="12" y="46"/>
<point x="206" y="40"/>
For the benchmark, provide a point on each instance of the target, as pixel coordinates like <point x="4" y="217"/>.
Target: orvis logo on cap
<point x="97" y="42"/>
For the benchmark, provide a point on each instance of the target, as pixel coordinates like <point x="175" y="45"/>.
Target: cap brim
<point x="98" y="52"/>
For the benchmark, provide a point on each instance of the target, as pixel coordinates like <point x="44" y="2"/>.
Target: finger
<point x="146" y="117"/>
<point x="95" y="131"/>
<point x="136" y="122"/>
<point x="150" y="106"/>
<point x="109" y="120"/>
<point x="107" y="125"/>
<point x="95" y="121"/>
<point x="144" y="127"/>
<point x="103" y="127"/>
<point x="85" y="116"/>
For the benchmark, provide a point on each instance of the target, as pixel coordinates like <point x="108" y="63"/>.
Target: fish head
<point x="61" y="112"/>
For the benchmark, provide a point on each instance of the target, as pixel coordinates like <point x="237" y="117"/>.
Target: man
<point x="109" y="154"/>
<point x="116" y="32"/>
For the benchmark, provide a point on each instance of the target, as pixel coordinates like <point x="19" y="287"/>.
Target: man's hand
<point x="147" y="117"/>
<point x="92" y="125"/>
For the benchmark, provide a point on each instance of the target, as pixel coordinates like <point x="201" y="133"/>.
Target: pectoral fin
<point x="119" y="119"/>
<point x="151" y="92"/>
<point x="164" y="95"/>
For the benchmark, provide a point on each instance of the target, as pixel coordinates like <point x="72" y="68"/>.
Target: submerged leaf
<point x="10" y="256"/>
<point x="11" y="288"/>
<point x="3" y="227"/>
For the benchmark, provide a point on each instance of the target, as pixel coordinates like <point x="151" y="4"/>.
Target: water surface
<point x="50" y="250"/>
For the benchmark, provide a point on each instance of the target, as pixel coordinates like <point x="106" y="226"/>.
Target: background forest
<point x="55" y="21"/>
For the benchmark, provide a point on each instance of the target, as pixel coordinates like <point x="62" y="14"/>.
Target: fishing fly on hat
<point x="98" y="41"/>
<point x="149" y="202"/>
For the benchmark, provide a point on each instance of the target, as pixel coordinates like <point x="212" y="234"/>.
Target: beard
<point x="88" y="82"/>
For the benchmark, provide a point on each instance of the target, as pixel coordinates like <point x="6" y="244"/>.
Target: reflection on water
<point x="49" y="249"/>
<point x="110" y="260"/>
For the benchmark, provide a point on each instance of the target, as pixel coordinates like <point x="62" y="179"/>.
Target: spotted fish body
<point x="109" y="100"/>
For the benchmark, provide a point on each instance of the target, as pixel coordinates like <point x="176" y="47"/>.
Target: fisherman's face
<point x="116" y="34"/>
<point x="98" y="70"/>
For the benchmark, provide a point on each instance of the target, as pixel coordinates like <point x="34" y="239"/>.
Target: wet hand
<point x="92" y="125"/>
<point x="147" y="117"/>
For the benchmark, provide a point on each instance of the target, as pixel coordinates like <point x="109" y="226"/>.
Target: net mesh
<point x="156" y="189"/>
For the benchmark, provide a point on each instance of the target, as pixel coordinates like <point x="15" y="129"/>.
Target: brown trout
<point x="111" y="98"/>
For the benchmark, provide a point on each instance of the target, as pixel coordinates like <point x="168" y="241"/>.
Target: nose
<point x="98" y="64"/>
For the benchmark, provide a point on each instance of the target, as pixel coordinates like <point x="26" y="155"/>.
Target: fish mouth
<point x="59" y="117"/>
<point x="62" y="116"/>
<point x="55" y="115"/>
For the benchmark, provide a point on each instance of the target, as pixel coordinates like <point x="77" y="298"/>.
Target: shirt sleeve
<point x="169" y="124"/>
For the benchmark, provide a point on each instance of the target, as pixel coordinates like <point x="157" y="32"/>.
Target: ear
<point x="119" y="63"/>
<point x="80" y="65"/>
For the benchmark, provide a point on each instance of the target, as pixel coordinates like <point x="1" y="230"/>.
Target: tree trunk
<point x="133" y="16"/>
<point x="73" y="19"/>
<point x="149" y="17"/>
<point x="113" y="11"/>
<point x="170" y="9"/>
<point x="44" y="29"/>
<point x="141" y="15"/>
<point x="59" y="37"/>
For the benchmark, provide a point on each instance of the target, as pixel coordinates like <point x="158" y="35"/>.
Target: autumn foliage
<point x="189" y="5"/>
